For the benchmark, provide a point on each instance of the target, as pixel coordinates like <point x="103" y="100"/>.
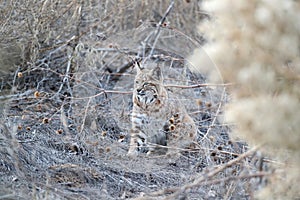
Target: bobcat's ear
<point x="138" y="67"/>
<point x="156" y="73"/>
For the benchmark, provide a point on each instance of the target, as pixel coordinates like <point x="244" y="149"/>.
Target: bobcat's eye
<point x="136" y="82"/>
<point x="146" y="84"/>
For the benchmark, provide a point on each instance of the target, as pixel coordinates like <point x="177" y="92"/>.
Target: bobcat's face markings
<point x="148" y="89"/>
<point x="146" y="95"/>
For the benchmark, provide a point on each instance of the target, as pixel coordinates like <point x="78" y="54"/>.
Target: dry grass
<point x="66" y="71"/>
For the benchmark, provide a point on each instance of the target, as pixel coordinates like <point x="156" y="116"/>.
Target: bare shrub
<point x="256" y="47"/>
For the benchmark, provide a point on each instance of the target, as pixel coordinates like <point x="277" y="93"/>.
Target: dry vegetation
<point x="66" y="70"/>
<point x="262" y="59"/>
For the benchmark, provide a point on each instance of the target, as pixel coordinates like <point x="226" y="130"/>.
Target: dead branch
<point x="159" y="26"/>
<point x="176" y="191"/>
<point x="198" y="85"/>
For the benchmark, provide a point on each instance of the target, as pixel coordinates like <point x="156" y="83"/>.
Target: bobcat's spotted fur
<point x="157" y="121"/>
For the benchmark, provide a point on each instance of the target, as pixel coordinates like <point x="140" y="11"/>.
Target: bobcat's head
<point x="149" y="91"/>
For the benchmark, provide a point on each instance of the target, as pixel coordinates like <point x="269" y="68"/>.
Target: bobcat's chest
<point x="150" y="123"/>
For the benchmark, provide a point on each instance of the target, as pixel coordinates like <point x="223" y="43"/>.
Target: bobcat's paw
<point x="171" y="125"/>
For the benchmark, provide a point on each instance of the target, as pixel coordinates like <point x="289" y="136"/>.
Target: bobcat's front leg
<point x="137" y="143"/>
<point x="133" y="148"/>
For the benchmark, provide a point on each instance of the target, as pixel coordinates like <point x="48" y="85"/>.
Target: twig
<point x="66" y="77"/>
<point x="246" y="176"/>
<point x="104" y="92"/>
<point x="159" y="26"/>
<point x="215" y="118"/>
<point x="198" y="85"/>
<point x="85" y="114"/>
<point x="157" y="32"/>
<point x="17" y="96"/>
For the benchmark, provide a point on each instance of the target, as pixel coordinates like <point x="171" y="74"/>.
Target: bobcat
<point x="157" y="121"/>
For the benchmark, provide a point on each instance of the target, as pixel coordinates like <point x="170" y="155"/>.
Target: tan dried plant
<point x="255" y="45"/>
